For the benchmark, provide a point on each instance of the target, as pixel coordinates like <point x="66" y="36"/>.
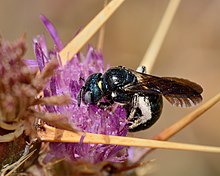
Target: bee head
<point x="91" y="92"/>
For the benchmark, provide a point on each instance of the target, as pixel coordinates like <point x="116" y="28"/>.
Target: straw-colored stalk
<point x="158" y="39"/>
<point x="183" y="122"/>
<point x="12" y="168"/>
<point x="94" y="25"/>
<point x="101" y="37"/>
<point x="51" y="134"/>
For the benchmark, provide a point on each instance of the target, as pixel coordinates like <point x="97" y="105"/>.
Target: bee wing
<point x="140" y="89"/>
<point x="183" y="93"/>
<point x="179" y="92"/>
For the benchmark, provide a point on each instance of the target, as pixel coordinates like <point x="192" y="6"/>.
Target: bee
<point x="140" y="94"/>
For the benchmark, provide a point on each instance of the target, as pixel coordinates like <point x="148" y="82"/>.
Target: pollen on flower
<point x="68" y="79"/>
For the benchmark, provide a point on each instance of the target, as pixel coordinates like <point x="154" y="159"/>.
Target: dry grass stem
<point x="16" y="165"/>
<point x="56" y="135"/>
<point x="101" y="34"/>
<point x="79" y="41"/>
<point x="176" y="127"/>
<point x="155" y="45"/>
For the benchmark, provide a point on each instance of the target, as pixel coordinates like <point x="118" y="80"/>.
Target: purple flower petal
<point x="41" y="52"/>
<point x="52" y="31"/>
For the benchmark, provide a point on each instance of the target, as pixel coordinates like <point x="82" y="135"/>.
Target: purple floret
<point x="52" y="32"/>
<point x="68" y="79"/>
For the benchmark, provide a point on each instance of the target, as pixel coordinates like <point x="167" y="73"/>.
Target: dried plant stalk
<point x="79" y="41"/>
<point x="179" y="125"/>
<point x="101" y="33"/>
<point x="176" y="127"/>
<point x="155" y="45"/>
<point x="56" y="135"/>
<point x="12" y="168"/>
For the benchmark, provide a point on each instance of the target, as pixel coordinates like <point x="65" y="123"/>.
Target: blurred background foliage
<point x="191" y="50"/>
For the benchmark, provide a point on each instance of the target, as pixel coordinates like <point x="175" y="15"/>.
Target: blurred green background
<point x="191" y="50"/>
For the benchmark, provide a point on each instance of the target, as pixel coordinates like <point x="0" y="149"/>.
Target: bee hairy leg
<point x="134" y="106"/>
<point x="104" y="105"/>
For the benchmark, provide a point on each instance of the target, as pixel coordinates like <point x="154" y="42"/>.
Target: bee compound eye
<point x="88" y="97"/>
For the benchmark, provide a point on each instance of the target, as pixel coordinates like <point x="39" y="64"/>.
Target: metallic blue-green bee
<point x="140" y="93"/>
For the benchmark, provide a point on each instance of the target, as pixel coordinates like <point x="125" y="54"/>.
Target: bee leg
<point x="131" y="114"/>
<point x="134" y="106"/>
<point x="141" y="116"/>
<point x="141" y="69"/>
<point x="121" y="66"/>
<point x="104" y="105"/>
<point x="137" y="124"/>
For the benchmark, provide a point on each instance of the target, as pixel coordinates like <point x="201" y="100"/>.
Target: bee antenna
<point x="81" y="79"/>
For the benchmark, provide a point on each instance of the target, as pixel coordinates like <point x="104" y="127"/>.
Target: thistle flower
<point x="68" y="79"/>
<point x="18" y="88"/>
